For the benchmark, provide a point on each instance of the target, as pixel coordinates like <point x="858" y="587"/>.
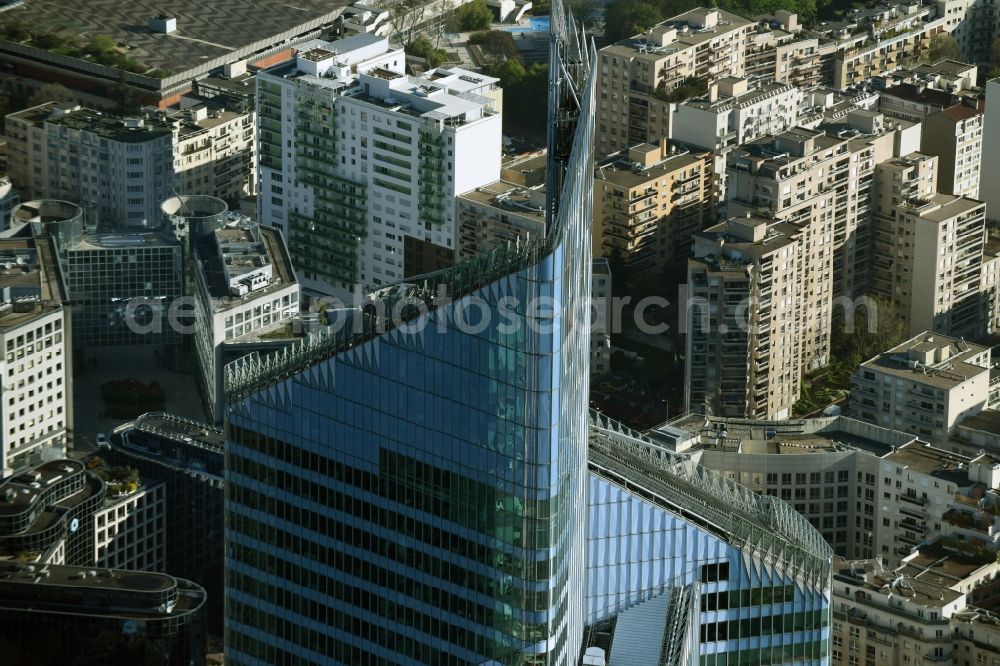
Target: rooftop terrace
<point x="926" y="459"/>
<point x="225" y="30"/>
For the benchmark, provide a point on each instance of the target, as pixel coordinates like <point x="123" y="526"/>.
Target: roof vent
<point x="162" y="23"/>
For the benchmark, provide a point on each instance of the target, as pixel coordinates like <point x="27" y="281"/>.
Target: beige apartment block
<point x="749" y="335"/>
<point x="637" y="74"/>
<point x="937" y="268"/>
<point x="648" y="202"/>
<point x="955" y="135"/>
<point x="897" y="181"/>
<point x="499" y="213"/>
<point x="920" y="612"/>
<point x="923" y="386"/>
<point x="821" y="180"/>
<point x="897" y="36"/>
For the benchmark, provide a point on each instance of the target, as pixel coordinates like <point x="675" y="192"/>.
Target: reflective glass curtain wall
<point x="417" y="494"/>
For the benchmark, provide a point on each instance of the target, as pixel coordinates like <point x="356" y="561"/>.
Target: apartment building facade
<point x="730" y="115"/>
<point x="821" y="180"/>
<point x="636" y="75"/>
<point x="955" y="135"/>
<point x="36" y="390"/>
<point x="356" y="157"/>
<point x="897" y="181"/>
<point x="498" y="213"/>
<point x="648" y="203"/>
<point x="749" y="338"/>
<point x="938" y="265"/>
<point x="214" y="151"/>
<point x="923" y="386"/>
<point x="881" y="39"/>
<point x="920" y="612"/>
<point x="991" y="149"/>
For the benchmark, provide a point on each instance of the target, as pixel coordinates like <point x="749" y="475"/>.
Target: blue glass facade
<point x="417" y="494"/>
<point x="758" y="572"/>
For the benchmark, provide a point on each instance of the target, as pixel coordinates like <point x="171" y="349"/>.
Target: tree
<point x="510" y="72"/>
<point x="101" y="44"/>
<point x="877" y="327"/>
<point x="51" y="92"/>
<point x="475" y="15"/>
<point x="584" y="11"/>
<point x="624" y="18"/>
<point x="422" y="48"/>
<point x="943" y="45"/>
<point x="995" y="59"/>
<point x="404" y="17"/>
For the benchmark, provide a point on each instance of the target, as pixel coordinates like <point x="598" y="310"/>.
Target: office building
<point x="502" y="589"/>
<point x="642" y="503"/>
<point x="923" y="386"/>
<point x="185" y="459"/>
<point x="35" y="379"/>
<point x="242" y="282"/>
<point x="648" y="202"/>
<point x="637" y="74"/>
<point x="47" y="513"/>
<point x="63" y="614"/>
<point x="922" y="611"/>
<point x="452" y="614"/>
<point x="370" y="158"/>
<point x="157" y="57"/>
<point x="117" y="169"/>
<point x="128" y="527"/>
<point x="120" y="169"/>
<point x="750" y="336"/>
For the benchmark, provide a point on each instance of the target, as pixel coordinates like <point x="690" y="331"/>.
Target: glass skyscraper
<point x="425" y="486"/>
<point x="414" y="492"/>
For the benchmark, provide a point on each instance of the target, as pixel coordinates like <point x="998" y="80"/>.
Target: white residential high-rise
<point x="358" y="159"/>
<point x="35" y="399"/>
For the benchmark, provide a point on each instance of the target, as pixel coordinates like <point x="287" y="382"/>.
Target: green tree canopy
<point x="422" y="48"/>
<point x="475" y="15"/>
<point x="51" y="92"/>
<point x="624" y="18"/>
<point x="943" y="45"/>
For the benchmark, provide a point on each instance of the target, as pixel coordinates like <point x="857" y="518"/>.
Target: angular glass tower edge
<point x="415" y="492"/>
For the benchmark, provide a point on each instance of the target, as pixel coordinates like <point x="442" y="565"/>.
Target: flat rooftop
<point x="509" y="197"/>
<point x="902" y="583"/>
<point x="934" y="565"/>
<point x="925" y="459"/>
<point x="944" y="207"/>
<point x="695" y="35"/>
<point x="619" y="170"/>
<point x="19" y="492"/>
<point x="987" y="420"/>
<point x="273" y="248"/>
<point x="827" y="434"/>
<point x="221" y="29"/>
<point x="904" y="361"/>
<point x="30" y="288"/>
<point x="109" y="126"/>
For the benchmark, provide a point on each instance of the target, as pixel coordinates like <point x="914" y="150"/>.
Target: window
<point x="711" y="573"/>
